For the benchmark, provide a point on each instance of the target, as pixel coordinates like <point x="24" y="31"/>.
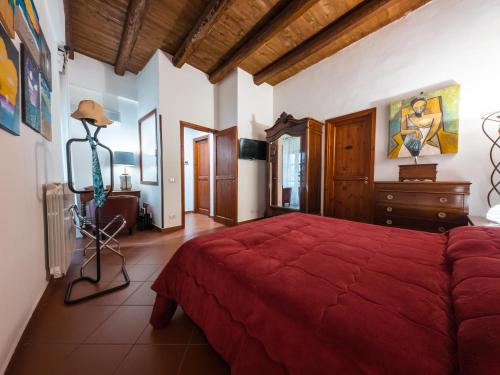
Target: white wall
<point x="255" y="114"/>
<point x="189" y="136"/>
<point x="148" y="98"/>
<point x="185" y="95"/>
<point x="27" y="163"/>
<point x="445" y="41"/>
<point x="88" y="73"/>
<point x="226" y="102"/>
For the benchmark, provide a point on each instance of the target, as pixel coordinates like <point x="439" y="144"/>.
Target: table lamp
<point x="127" y="159"/>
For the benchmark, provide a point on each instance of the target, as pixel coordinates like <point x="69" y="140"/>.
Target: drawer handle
<point x="443" y="200"/>
<point x="390" y="196"/>
<point x="441" y="229"/>
<point x="442" y="215"/>
<point x="389" y="209"/>
<point x="388" y="222"/>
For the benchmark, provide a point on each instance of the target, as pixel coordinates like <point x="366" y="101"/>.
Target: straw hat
<point x="90" y="110"/>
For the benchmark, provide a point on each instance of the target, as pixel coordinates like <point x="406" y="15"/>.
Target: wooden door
<point x="201" y="157"/>
<point x="226" y="176"/>
<point x="349" y="165"/>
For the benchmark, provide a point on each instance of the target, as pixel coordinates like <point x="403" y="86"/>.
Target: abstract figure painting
<point x="45" y="112"/>
<point x="9" y="83"/>
<point x="425" y="125"/>
<point x="7" y="8"/>
<point x="45" y="61"/>
<point x="31" y="90"/>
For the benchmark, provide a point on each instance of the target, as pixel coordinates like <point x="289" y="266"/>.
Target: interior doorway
<point x="201" y="172"/>
<point x="197" y="172"/>
<point x="349" y="166"/>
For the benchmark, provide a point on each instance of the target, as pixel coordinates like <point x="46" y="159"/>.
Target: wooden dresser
<point x="429" y="206"/>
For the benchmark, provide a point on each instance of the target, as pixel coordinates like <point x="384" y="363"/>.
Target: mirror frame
<point x="141" y="121"/>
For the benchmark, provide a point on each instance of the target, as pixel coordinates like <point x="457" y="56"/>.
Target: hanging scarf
<point x="99" y="194"/>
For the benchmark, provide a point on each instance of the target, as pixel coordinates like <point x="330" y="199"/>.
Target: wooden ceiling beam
<point x="260" y="37"/>
<point x="212" y="12"/>
<point x="68" y="29"/>
<point x="133" y="24"/>
<point x="336" y="30"/>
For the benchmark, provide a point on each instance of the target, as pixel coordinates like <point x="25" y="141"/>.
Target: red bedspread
<point x="302" y="294"/>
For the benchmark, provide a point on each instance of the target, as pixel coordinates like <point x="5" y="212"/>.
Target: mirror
<point x="148" y="140"/>
<point x="286" y="172"/>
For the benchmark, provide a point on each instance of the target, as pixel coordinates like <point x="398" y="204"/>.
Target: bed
<point x="303" y="294"/>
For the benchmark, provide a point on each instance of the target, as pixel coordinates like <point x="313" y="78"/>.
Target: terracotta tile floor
<point x="111" y="334"/>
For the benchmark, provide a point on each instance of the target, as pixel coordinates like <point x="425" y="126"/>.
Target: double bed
<point x="303" y="294"/>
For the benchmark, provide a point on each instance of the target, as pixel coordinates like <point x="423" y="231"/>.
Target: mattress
<point x="303" y="294"/>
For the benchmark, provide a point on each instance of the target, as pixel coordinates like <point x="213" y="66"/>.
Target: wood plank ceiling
<point x="271" y="39"/>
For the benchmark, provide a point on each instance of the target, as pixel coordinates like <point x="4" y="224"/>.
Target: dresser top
<point x="425" y="182"/>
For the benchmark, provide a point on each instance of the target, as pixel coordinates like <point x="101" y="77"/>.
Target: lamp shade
<point x="124" y="158"/>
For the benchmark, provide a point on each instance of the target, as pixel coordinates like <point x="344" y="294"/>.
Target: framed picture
<point x="28" y="9"/>
<point x="7" y="8"/>
<point x="30" y="78"/>
<point x="45" y="61"/>
<point x="45" y="113"/>
<point x="9" y="84"/>
<point x="27" y="27"/>
<point x="148" y="142"/>
<point x="425" y="125"/>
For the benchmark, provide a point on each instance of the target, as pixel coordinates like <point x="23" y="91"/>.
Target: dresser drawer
<point x="445" y="214"/>
<point x="421" y="198"/>
<point x="414" y="223"/>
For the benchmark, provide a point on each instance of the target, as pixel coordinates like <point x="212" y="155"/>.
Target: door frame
<point x="196" y="168"/>
<point x="183" y="125"/>
<point x="235" y="195"/>
<point x="330" y="153"/>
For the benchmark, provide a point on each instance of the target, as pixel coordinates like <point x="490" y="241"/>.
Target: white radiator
<point x="60" y="233"/>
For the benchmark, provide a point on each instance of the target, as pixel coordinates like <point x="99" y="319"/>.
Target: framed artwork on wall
<point x="28" y="9"/>
<point x="7" y="8"/>
<point x="425" y="125"/>
<point x="45" y="61"/>
<point x="9" y="84"/>
<point x="30" y="78"/>
<point x="148" y="142"/>
<point x="45" y="110"/>
<point x="27" y="27"/>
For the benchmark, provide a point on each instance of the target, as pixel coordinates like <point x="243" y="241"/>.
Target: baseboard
<point x="250" y="221"/>
<point x="15" y="347"/>
<point x="189" y="212"/>
<point x="172" y="229"/>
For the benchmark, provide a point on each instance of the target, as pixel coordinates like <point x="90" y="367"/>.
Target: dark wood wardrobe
<point x="294" y="166"/>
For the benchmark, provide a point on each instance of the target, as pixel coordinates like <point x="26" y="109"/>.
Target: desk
<point x="87" y="197"/>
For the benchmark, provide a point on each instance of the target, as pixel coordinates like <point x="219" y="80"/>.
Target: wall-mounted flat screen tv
<point x="252" y="149"/>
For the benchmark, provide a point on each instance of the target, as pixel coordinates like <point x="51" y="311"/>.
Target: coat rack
<point x="67" y="298"/>
<point x="495" y="174"/>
